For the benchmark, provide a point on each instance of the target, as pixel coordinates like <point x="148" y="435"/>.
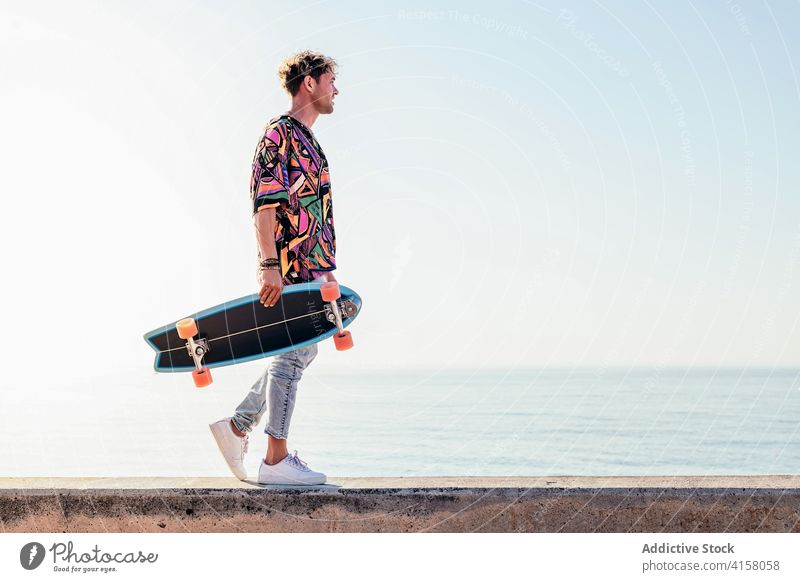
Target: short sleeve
<point x="270" y="180"/>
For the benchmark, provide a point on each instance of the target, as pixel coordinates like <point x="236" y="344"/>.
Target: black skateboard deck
<point x="243" y="329"/>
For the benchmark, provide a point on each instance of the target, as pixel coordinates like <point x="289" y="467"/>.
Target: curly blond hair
<point x="294" y="68"/>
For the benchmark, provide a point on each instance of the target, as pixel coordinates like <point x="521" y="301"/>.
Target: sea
<point x="407" y="422"/>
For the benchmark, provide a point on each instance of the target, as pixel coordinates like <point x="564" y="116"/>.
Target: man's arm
<point x="269" y="280"/>
<point x="264" y="221"/>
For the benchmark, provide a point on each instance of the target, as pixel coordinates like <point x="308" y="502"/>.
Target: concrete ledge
<point x="761" y="503"/>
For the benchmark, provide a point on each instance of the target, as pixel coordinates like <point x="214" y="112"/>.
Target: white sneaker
<point x="232" y="446"/>
<point x="289" y="471"/>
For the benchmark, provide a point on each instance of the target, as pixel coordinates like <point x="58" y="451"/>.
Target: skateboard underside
<point x="243" y="329"/>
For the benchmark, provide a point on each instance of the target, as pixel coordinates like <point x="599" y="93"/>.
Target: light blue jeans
<point x="281" y="378"/>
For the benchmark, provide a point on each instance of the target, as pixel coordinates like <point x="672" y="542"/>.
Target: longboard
<point x="243" y="329"/>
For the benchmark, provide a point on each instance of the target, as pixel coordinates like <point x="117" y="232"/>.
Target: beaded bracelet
<point x="269" y="264"/>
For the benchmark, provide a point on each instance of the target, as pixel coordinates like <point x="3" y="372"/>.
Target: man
<point x="293" y="215"/>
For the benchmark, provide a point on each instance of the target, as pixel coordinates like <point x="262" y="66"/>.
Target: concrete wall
<point x="433" y="504"/>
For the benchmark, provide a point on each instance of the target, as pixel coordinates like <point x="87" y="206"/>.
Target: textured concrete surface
<point x="763" y="503"/>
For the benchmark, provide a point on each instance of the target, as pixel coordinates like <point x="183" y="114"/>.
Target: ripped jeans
<point x="281" y="378"/>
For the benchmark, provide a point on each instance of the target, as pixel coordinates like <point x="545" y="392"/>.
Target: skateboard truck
<point x="187" y="329"/>
<point x="330" y="293"/>
<point x="335" y="313"/>
<point x="197" y="349"/>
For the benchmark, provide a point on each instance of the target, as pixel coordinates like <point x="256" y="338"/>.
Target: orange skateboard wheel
<point x="330" y="291"/>
<point x="186" y="328"/>
<point x="202" y="377"/>
<point x="343" y="341"/>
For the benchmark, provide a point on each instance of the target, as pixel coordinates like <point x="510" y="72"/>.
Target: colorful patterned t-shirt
<point x="290" y="173"/>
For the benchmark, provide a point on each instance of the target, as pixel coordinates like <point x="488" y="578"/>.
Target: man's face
<point x="324" y="92"/>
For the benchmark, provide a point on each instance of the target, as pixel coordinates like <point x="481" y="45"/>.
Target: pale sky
<point x="518" y="184"/>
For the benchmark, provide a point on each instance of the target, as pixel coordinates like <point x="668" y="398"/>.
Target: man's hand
<point x="271" y="284"/>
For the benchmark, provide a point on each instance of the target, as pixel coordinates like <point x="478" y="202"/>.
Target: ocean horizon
<point x="470" y="422"/>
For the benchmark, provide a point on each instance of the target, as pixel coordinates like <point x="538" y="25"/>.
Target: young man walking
<point x="293" y="215"/>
